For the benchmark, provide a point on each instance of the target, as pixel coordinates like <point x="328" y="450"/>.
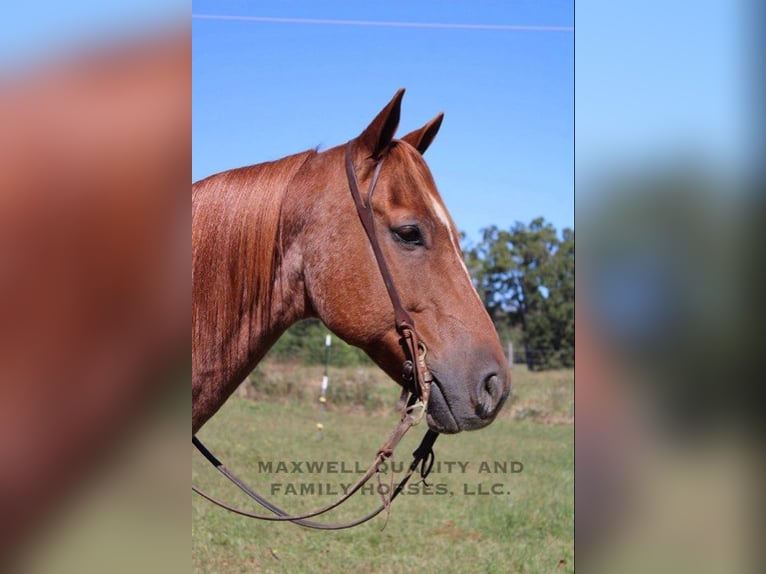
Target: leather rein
<point x="415" y="372"/>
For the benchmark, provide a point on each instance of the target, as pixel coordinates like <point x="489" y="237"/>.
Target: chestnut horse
<point x="278" y="242"/>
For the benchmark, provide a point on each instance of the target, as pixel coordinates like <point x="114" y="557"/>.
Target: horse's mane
<point x="235" y="226"/>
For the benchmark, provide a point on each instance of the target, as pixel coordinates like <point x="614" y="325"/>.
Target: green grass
<point x="527" y="526"/>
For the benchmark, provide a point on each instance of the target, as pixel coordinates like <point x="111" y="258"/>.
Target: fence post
<point x="510" y="354"/>
<point x="323" y="392"/>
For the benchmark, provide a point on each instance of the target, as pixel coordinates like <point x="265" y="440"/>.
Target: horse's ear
<point x="376" y="137"/>
<point x="422" y="138"/>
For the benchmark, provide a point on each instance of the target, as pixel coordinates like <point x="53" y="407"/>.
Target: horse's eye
<point x="409" y="235"/>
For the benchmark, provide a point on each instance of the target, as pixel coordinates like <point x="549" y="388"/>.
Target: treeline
<point x="305" y="342"/>
<point x="524" y="276"/>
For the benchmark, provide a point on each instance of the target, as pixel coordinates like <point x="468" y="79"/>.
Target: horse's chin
<point x="439" y="426"/>
<point x="439" y="415"/>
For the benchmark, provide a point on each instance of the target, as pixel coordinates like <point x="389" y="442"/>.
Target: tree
<point x="558" y="306"/>
<point x="525" y="277"/>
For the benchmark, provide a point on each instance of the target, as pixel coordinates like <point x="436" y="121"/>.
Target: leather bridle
<point x="415" y="372"/>
<point x="415" y="369"/>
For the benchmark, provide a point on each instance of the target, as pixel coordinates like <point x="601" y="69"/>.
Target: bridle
<point x="414" y="372"/>
<point x="414" y="369"/>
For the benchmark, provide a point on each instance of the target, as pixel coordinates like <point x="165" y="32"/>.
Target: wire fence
<point x="539" y="359"/>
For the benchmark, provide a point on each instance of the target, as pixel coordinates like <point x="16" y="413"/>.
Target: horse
<point x="278" y="242"/>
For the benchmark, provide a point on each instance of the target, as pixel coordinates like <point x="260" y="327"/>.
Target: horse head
<point x="420" y="243"/>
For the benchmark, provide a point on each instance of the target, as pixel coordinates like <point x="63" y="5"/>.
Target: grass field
<point x="500" y="501"/>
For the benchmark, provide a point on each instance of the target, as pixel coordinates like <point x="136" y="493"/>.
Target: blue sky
<point x="659" y="81"/>
<point x="263" y="90"/>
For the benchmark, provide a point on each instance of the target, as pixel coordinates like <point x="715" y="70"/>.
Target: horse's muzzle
<point x="453" y="408"/>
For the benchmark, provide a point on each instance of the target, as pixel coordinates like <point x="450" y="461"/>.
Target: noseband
<point x="415" y="373"/>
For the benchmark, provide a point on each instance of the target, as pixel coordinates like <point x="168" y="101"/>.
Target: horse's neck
<point x="286" y="302"/>
<point x="216" y="376"/>
<point x="247" y="278"/>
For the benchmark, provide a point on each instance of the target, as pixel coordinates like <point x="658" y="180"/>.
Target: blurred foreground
<point x="94" y="298"/>
<point x="670" y="433"/>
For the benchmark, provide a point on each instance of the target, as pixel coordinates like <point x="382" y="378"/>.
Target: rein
<point x="414" y="370"/>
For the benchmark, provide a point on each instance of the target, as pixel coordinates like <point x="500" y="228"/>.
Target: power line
<point x="385" y="24"/>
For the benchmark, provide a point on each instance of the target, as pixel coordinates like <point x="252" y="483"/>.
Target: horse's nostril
<point x="491" y="384"/>
<point x="490" y="395"/>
